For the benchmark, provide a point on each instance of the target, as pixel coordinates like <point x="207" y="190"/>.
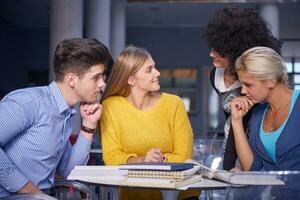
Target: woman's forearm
<point x="243" y="148"/>
<point x="138" y="159"/>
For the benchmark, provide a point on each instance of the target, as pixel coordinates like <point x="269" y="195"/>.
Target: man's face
<point x="89" y="86"/>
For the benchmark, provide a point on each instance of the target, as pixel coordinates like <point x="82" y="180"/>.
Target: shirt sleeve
<point x="14" y="119"/>
<point x="183" y="135"/>
<point x="112" y="150"/>
<point x="78" y="154"/>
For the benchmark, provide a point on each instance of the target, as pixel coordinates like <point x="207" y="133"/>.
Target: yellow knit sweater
<point x="127" y="131"/>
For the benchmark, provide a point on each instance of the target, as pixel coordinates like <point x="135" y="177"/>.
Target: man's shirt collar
<point x="59" y="98"/>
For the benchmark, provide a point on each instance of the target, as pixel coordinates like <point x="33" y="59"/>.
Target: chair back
<point x="35" y="196"/>
<point x="69" y="189"/>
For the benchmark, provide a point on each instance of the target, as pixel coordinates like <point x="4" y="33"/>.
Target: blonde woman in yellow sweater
<point x="139" y="123"/>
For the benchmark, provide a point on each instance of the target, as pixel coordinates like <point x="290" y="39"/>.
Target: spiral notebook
<point x="179" y="175"/>
<point x="162" y="182"/>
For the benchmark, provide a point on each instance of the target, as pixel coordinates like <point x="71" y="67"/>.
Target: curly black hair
<point x="233" y="30"/>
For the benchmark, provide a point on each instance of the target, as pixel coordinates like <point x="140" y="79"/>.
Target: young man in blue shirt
<point x="35" y="123"/>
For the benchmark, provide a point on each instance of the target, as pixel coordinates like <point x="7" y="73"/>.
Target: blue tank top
<point x="269" y="139"/>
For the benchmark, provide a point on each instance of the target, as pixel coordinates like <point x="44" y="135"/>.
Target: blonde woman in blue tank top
<point x="274" y="142"/>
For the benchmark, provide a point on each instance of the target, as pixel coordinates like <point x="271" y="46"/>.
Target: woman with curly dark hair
<point x="229" y="33"/>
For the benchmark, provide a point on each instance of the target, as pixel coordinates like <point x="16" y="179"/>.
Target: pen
<point x="164" y="159"/>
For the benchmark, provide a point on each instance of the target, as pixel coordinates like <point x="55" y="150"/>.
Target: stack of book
<point x="166" y="175"/>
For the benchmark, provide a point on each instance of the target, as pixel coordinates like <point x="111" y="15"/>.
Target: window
<point x="293" y="69"/>
<point x="182" y="82"/>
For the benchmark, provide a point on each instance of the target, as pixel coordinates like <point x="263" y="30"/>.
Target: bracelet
<point x="88" y="130"/>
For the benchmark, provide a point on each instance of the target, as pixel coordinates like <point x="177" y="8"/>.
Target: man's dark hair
<point x="233" y="30"/>
<point x="78" y="55"/>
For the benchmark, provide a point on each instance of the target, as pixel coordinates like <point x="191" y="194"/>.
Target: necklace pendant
<point x="271" y="129"/>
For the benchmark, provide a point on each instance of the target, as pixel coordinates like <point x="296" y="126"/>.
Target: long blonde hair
<point x="263" y="63"/>
<point x="127" y="64"/>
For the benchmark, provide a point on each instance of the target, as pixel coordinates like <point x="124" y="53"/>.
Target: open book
<point x="239" y="178"/>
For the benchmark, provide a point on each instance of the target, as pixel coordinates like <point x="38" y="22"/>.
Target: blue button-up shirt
<point x="35" y="125"/>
